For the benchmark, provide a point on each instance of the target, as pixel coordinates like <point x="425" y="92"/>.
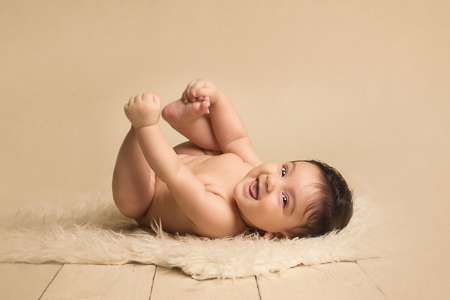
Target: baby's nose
<point x="270" y="183"/>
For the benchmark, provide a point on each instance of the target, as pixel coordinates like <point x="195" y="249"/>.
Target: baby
<point x="215" y="185"/>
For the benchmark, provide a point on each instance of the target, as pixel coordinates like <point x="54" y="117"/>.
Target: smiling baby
<point x="215" y="185"/>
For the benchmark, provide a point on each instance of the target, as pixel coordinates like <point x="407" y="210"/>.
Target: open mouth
<point x="254" y="190"/>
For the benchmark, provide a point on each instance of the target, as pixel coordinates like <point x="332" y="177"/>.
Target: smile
<point x="253" y="189"/>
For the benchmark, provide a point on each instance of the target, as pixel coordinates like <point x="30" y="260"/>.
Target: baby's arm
<point x="187" y="190"/>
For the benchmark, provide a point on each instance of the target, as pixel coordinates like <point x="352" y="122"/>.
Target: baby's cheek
<point x="252" y="173"/>
<point x="259" y="170"/>
<point x="270" y="203"/>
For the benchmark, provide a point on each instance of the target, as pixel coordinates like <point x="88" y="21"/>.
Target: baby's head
<point x="302" y="198"/>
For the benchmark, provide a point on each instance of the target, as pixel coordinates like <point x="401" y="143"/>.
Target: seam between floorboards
<point x="50" y="282"/>
<point x="153" y="282"/>
<point x="257" y="287"/>
<point x="371" y="280"/>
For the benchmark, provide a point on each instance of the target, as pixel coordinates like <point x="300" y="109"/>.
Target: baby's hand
<point x="200" y="90"/>
<point x="143" y="110"/>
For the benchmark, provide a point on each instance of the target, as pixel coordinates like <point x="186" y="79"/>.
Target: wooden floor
<point x="397" y="277"/>
<point x="54" y="281"/>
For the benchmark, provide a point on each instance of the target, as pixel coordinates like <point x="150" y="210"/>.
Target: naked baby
<point x="215" y="185"/>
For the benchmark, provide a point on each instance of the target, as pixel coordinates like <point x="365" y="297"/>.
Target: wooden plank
<point x="410" y="277"/>
<point x="25" y="281"/>
<point x="102" y="282"/>
<point x="326" y="281"/>
<point x="173" y="284"/>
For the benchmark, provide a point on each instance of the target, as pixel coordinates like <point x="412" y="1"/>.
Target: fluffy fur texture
<point x="94" y="232"/>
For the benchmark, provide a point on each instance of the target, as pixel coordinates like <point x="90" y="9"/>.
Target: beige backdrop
<point x="364" y="87"/>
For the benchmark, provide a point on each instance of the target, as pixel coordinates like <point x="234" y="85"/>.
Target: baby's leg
<point x="133" y="180"/>
<point x="191" y="121"/>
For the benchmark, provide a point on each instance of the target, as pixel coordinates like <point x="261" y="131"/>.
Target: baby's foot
<point x="180" y="111"/>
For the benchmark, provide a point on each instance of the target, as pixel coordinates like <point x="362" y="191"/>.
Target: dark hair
<point x="333" y="208"/>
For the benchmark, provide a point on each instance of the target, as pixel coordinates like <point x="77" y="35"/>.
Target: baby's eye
<point x="285" y="199"/>
<point x="285" y="171"/>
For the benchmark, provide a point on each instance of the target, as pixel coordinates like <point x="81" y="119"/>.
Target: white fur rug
<point x="94" y="232"/>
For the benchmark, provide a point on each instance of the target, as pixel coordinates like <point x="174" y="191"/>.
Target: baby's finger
<point x="207" y="99"/>
<point x="206" y="91"/>
<point x="189" y="89"/>
<point x="188" y="86"/>
<point x="183" y="97"/>
<point x="194" y="89"/>
<point x="146" y="98"/>
<point x="196" y="84"/>
<point x="189" y="97"/>
<point x="186" y="95"/>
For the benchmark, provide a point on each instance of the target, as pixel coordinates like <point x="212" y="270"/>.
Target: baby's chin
<point x="244" y="218"/>
<point x="240" y="203"/>
<point x="237" y="197"/>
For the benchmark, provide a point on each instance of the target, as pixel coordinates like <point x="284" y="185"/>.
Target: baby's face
<point x="283" y="195"/>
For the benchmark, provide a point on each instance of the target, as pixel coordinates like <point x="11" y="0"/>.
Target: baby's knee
<point x="131" y="208"/>
<point x="134" y="201"/>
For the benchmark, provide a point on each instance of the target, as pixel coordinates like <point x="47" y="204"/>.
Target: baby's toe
<point x="189" y="109"/>
<point x="196" y="106"/>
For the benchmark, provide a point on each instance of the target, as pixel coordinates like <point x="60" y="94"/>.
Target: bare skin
<point x="204" y="187"/>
